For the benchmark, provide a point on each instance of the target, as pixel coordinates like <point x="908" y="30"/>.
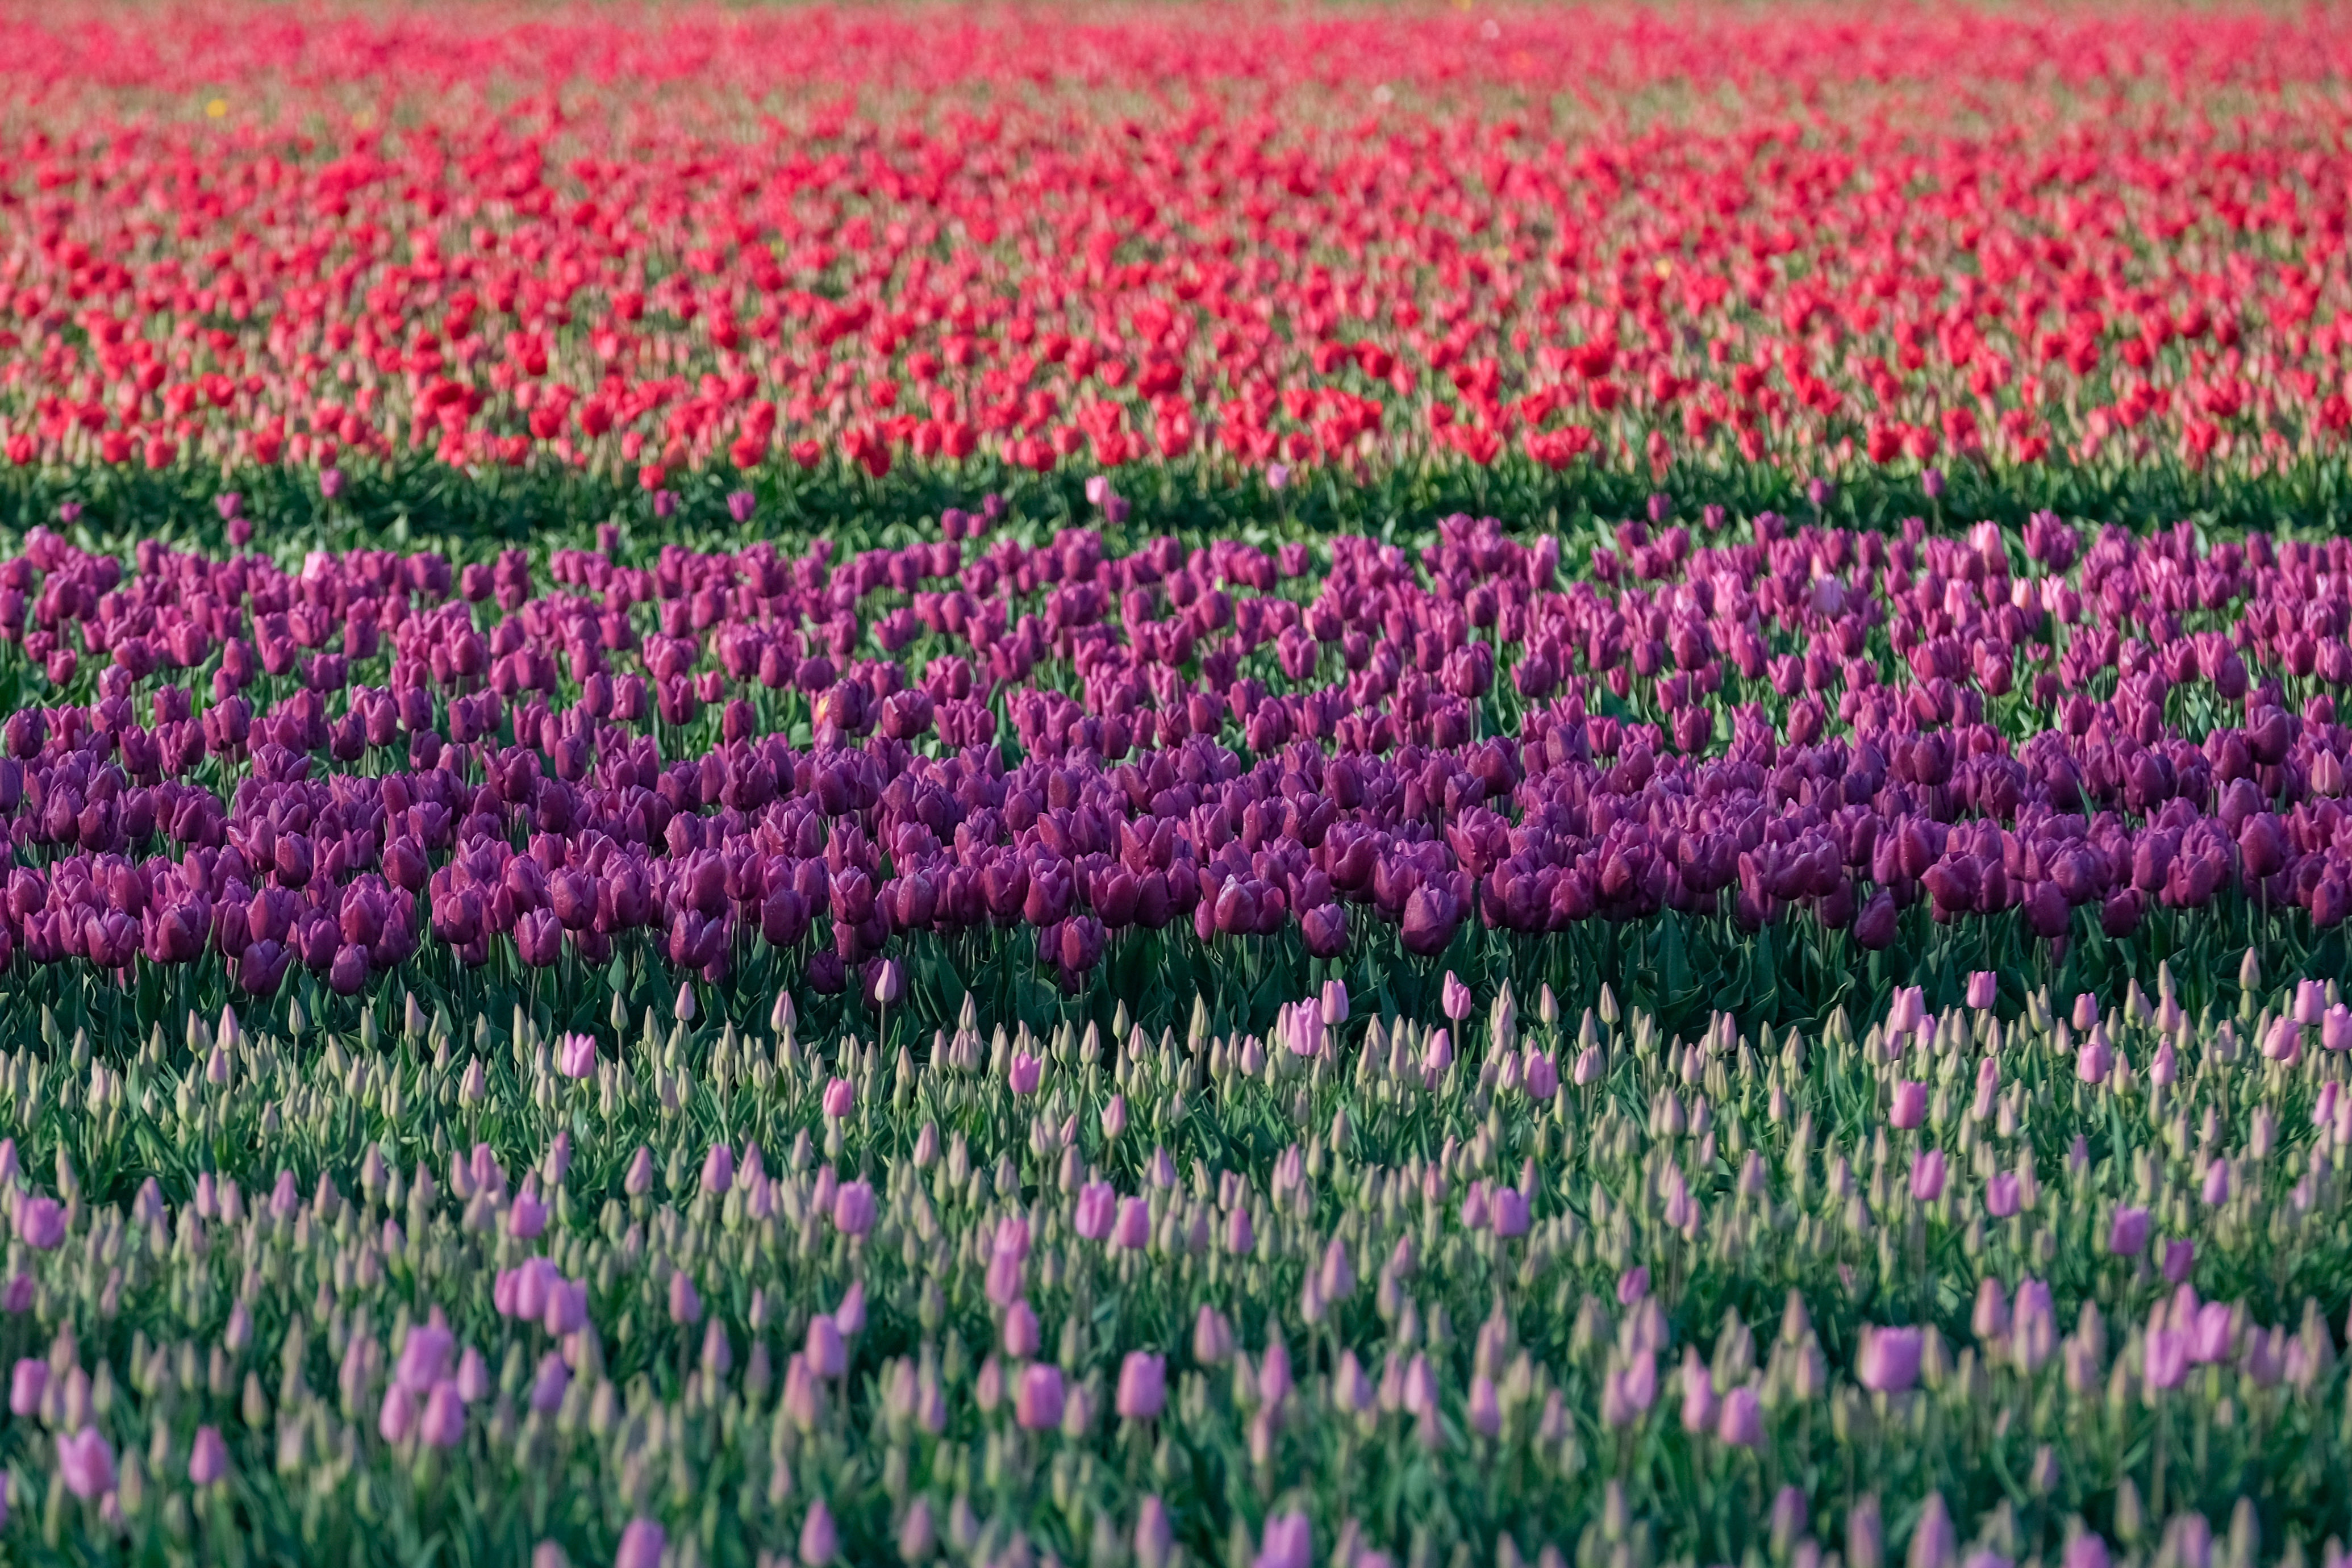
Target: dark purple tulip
<point x="538" y="938"/>
<point x="1874" y="927"/>
<point x="2120" y="916"/>
<point x="261" y="967"/>
<point x="1431" y="918"/>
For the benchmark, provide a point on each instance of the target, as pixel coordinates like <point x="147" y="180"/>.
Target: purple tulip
<point x="1097" y="1204"/>
<point x="1026" y="1072"/>
<point x="575" y="1055"/>
<point x="442" y="1425"/>
<point x="550" y="1383"/>
<point x="207" y="1458"/>
<point x="1927" y="1175"/>
<point x="1889" y="1358"/>
<point x="1456" y="998"/>
<point x="397" y="1418"/>
<point x="1741" y="1424"/>
<point x="853" y="1208"/>
<point x="40" y="1223"/>
<point x="86" y="1460"/>
<point x="1910" y="1108"/>
<point x="1509" y="1213"/>
<point x="827" y="1355"/>
<point x="1021" y="1331"/>
<point x="424" y="1357"/>
<point x="1155" y="1535"/>
<point x="642" y="1542"/>
<point x="840" y="1097"/>
<point x="26" y="1384"/>
<point x="1142" y="1386"/>
<point x="820" y="1542"/>
<point x="1700" y="1405"/>
<point x="2002" y="1195"/>
<point x="1288" y="1542"/>
<point x="1038" y="1404"/>
<point x="2128" y="1236"/>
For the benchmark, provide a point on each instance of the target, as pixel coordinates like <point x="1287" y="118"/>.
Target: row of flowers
<point x="1042" y="742"/>
<point x="1333" y="242"/>
<point x="1948" y="1285"/>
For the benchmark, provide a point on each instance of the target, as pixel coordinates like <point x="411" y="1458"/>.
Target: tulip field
<point x="1405" y="786"/>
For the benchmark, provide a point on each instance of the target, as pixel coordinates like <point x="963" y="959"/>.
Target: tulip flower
<point x="642" y="1542"/>
<point x="1037" y="1405"/>
<point x="1889" y="1358"/>
<point x="86" y="1460"/>
<point x="1142" y="1386"/>
<point x="576" y="1055"/>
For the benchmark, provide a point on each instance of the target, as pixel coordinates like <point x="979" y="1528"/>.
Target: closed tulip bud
<point x="1889" y="1358"/>
<point x="1021" y="1331"/>
<point x="1155" y="1535"/>
<point x="683" y="1009"/>
<point x="917" y="1537"/>
<point x="443" y="1424"/>
<point x="1990" y="1320"/>
<point x="1741" y="1424"/>
<point x="1927" y="1176"/>
<point x="30" y="1380"/>
<point x="1037" y="1403"/>
<point x="1931" y="1537"/>
<point x="1454" y="999"/>
<point x="1485" y="1411"/>
<point x="549" y="1384"/>
<point x="1910" y="1107"/>
<point x="1288" y="1542"/>
<point x="1142" y="1386"/>
<point x="575" y="1055"/>
<point x="2086" y="1551"/>
<point x="1865" y="1535"/>
<point x="2095" y="1059"/>
<point x="820" y="1541"/>
<point x="397" y="1417"/>
<point x="1700" y="1406"/>
<point x="1025" y="1073"/>
<point x="853" y="1208"/>
<point x="840" y="1097"/>
<point x="40" y="1223"/>
<point x="207" y="1458"/>
<point x="826" y="1354"/>
<point x="1213" y="1337"/>
<point x="642" y="1544"/>
<point x="86" y="1460"/>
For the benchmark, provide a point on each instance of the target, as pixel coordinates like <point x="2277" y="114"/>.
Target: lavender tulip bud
<point x="917" y="1537"/>
<point x="1154" y="1534"/>
<point x="820" y="1542"/>
<point x="641" y="1545"/>
<point x="1865" y="1536"/>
